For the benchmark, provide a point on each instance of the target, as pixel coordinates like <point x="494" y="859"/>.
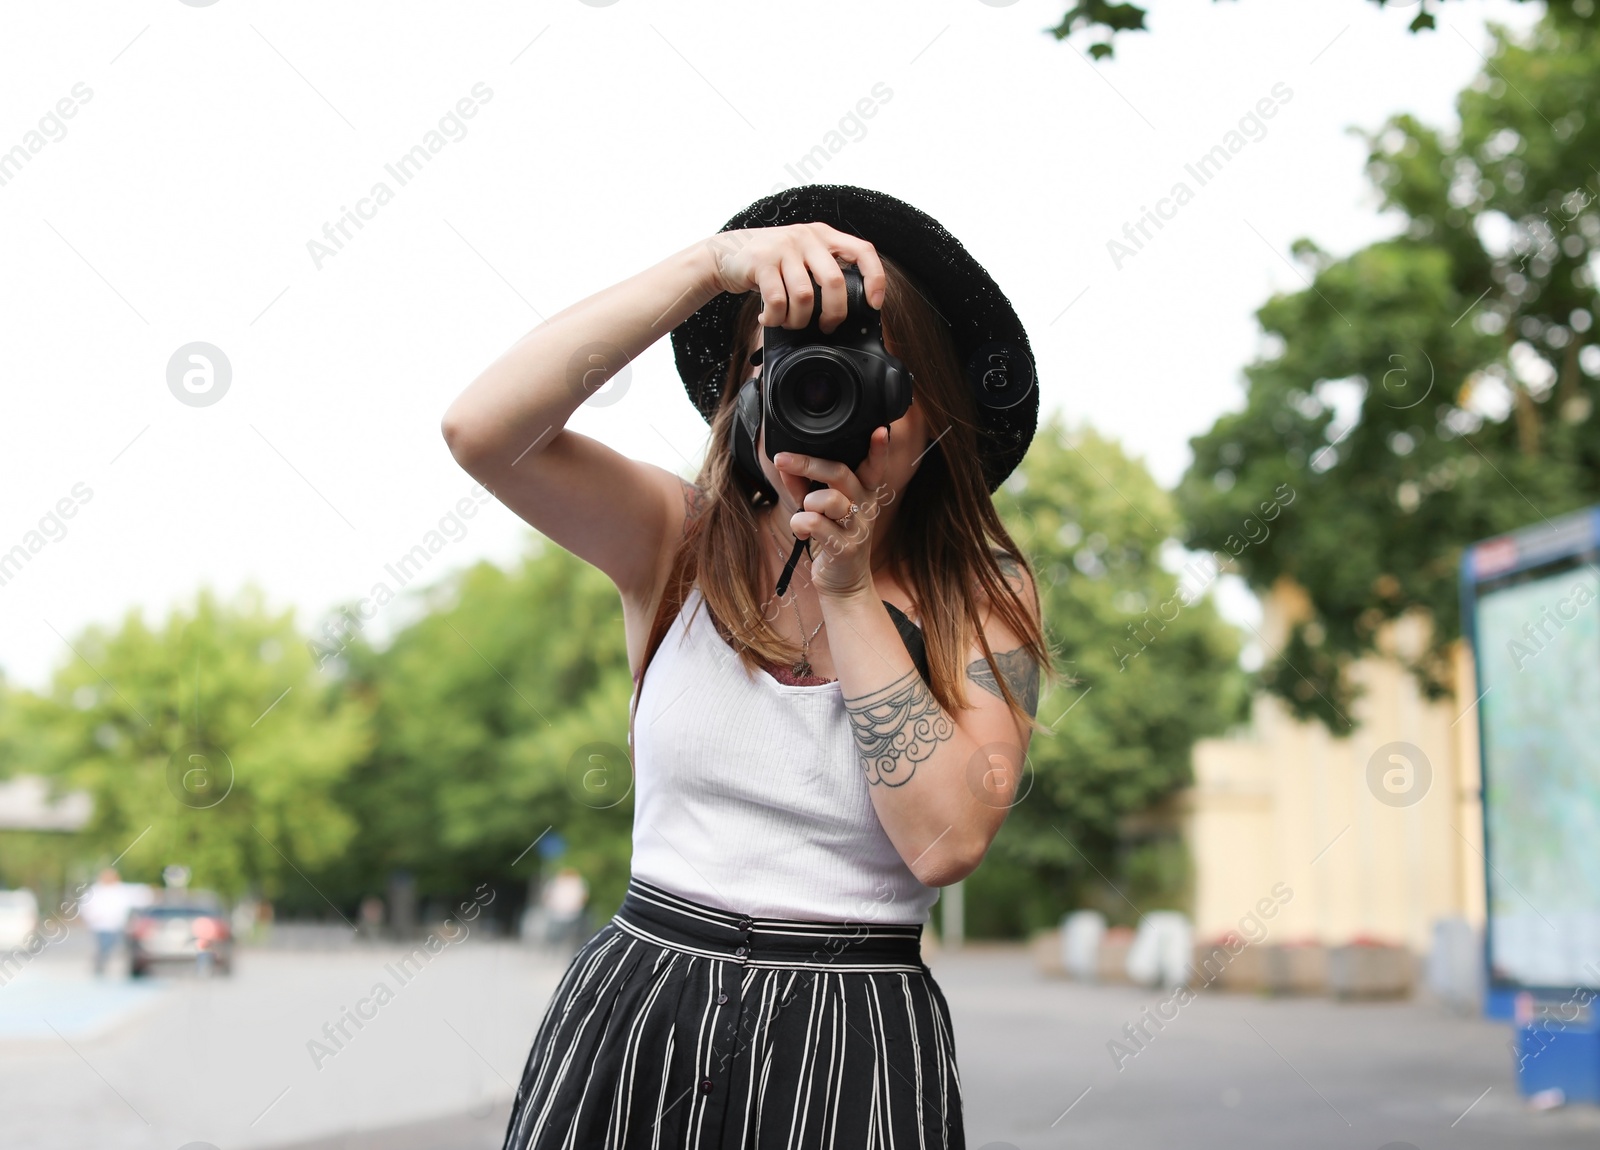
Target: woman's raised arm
<point x="508" y="428"/>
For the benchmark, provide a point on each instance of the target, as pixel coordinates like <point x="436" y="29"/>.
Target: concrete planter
<point x="1370" y="970"/>
<point x="1045" y="947"/>
<point x="1297" y="969"/>
<point x="1454" y="973"/>
<point x="1112" y="964"/>
<point x="1161" y="950"/>
<point x="1216" y="966"/>
<point x="1082" y="931"/>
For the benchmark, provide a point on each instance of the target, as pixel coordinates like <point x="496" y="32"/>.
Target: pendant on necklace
<point x="802" y="669"/>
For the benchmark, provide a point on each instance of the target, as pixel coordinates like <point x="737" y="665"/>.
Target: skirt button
<point x="741" y="952"/>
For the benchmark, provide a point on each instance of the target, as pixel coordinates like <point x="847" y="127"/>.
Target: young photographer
<point x="837" y="652"/>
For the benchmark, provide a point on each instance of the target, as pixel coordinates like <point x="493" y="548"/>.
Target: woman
<point x="810" y="766"/>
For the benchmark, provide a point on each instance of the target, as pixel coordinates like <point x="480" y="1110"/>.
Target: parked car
<point x="190" y="928"/>
<point x="19" y="918"/>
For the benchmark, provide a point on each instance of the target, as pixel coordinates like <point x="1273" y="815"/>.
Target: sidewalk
<point x="253" y="1061"/>
<point x="47" y="1001"/>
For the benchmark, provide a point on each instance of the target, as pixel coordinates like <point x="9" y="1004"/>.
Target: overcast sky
<point x="209" y="145"/>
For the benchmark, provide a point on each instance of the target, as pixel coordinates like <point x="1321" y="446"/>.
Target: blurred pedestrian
<point x="564" y="898"/>
<point x="371" y="917"/>
<point x="105" y="913"/>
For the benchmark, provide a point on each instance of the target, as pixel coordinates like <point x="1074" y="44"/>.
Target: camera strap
<point x="799" y="546"/>
<point x="794" y="558"/>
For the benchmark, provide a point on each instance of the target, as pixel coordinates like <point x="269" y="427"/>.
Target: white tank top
<point x="749" y="793"/>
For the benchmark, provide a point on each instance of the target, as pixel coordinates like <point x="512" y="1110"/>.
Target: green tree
<point x="1103" y="19"/>
<point x="35" y="859"/>
<point x="210" y="742"/>
<point x="489" y="709"/>
<point x="1429" y="390"/>
<point x="1151" y="669"/>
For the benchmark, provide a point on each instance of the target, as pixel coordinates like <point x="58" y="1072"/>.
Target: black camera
<point x="821" y="395"/>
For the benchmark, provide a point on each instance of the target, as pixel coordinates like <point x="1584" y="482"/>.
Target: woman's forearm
<point x="917" y="760"/>
<point x="538" y="383"/>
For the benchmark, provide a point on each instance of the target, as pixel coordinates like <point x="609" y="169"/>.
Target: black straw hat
<point x="989" y="337"/>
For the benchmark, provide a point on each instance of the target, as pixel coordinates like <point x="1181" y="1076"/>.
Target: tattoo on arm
<point x="1009" y="567"/>
<point x="1021" y="675"/>
<point x="897" y="727"/>
<point x="695" y="502"/>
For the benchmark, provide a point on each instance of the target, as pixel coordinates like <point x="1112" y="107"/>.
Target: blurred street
<point x="225" y="1061"/>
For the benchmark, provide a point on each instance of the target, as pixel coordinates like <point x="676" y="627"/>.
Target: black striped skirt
<point x="679" y="1025"/>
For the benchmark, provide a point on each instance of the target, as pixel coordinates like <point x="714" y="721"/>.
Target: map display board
<point x="1533" y="615"/>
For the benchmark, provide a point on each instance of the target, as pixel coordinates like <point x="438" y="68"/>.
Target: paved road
<point x="1231" y="1072"/>
<point x="227" y="1062"/>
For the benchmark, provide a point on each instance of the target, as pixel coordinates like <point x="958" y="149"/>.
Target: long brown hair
<point x="945" y="545"/>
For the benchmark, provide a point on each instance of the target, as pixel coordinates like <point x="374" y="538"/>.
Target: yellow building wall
<point x="1287" y="801"/>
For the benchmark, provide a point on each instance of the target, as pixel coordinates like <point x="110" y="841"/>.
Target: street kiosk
<point x="1531" y="611"/>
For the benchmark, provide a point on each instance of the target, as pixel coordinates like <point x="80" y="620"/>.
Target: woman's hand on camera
<point x="841" y="553"/>
<point x="775" y="262"/>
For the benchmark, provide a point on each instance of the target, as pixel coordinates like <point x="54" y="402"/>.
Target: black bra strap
<point x="911" y="635"/>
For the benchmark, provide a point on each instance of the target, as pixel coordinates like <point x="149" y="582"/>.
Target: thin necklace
<point x="803" y="667"/>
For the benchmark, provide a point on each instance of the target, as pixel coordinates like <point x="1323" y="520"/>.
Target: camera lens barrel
<point x="816" y="391"/>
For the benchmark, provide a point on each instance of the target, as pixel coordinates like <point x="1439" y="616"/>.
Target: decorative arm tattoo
<point x="1009" y="568"/>
<point x="1021" y="675"/>
<point x="695" y="501"/>
<point x="897" y="727"/>
<point x="1018" y="669"/>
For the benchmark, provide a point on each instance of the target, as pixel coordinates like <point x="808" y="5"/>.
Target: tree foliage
<point x="1431" y="389"/>
<point x="1151" y="669"/>
<point x="481" y="709"/>
<point x="1104" y="19"/>
<point x="208" y="741"/>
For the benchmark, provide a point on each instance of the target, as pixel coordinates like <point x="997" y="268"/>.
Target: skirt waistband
<point x="666" y="919"/>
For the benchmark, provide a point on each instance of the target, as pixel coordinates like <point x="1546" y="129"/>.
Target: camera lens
<point x="817" y="391"/>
